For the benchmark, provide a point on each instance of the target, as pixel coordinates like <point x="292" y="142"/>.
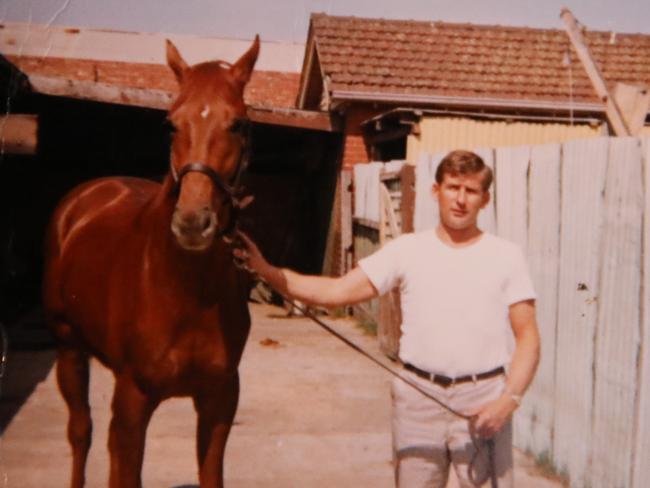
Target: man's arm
<point x="491" y="417"/>
<point x="353" y="287"/>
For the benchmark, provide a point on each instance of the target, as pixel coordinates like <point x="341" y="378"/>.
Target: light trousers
<point x="428" y="440"/>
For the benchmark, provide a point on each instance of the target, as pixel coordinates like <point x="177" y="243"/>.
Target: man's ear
<point x="486" y="198"/>
<point x="435" y="190"/>
<point x="175" y="61"/>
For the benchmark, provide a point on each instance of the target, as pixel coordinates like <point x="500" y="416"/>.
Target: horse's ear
<point x="175" y="61"/>
<point x="243" y="68"/>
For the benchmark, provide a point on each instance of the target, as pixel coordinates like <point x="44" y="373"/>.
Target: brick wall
<point x="265" y="89"/>
<point x="355" y="149"/>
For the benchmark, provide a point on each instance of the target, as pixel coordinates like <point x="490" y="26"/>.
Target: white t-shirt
<point x="454" y="300"/>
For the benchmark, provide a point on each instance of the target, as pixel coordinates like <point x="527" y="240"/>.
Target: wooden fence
<point x="377" y="218"/>
<point x="581" y="212"/>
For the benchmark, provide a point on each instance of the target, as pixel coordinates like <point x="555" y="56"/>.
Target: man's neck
<point x="458" y="237"/>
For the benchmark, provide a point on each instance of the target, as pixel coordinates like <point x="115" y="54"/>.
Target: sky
<point x="288" y="20"/>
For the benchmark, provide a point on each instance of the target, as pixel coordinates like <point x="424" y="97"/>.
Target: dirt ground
<point x="313" y="413"/>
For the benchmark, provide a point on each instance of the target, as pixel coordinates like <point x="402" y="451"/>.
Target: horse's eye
<point x="170" y="126"/>
<point x="236" y="126"/>
<point x="240" y="125"/>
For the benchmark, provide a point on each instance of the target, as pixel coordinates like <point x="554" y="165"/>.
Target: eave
<point x="340" y="97"/>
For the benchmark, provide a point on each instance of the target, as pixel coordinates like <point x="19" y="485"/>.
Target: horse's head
<point x="209" y="117"/>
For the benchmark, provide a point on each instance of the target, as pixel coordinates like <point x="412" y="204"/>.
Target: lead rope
<point x="489" y="442"/>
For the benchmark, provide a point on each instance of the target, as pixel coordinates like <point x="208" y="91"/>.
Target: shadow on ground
<point x="30" y="357"/>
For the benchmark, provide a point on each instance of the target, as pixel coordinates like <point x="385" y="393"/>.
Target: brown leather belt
<point x="446" y="381"/>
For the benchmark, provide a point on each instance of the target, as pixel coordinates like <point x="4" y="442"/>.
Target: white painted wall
<point x="103" y="45"/>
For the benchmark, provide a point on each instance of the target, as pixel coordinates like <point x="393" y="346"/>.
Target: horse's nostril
<point x="206" y="222"/>
<point x="194" y="225"/>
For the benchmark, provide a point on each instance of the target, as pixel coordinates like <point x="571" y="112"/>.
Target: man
<point x="464" y="294"/>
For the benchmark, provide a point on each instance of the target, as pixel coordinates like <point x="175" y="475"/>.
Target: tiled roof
<point x="438" y="59"/>
<point x="266" y="89"/>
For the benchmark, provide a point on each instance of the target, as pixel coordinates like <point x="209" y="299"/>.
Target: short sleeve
<point x="382" y="267"/>
<point x="520" y="285"/>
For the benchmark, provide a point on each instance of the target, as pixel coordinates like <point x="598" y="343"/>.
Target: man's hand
<point x="353" y="287"/>
<point x="248" y="254"/>
<point x="490" y="419"/>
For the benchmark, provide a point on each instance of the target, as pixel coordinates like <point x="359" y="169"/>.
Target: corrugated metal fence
<point x="581" y="211"/>
<point x="440" y="133"/>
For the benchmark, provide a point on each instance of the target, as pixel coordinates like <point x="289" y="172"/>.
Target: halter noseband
<point x="199" y="167"/>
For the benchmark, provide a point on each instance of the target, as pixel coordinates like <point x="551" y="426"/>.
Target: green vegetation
<point x="369" y="327"/>
<point x="339" y="312"/>
<point x="546" y="467"/>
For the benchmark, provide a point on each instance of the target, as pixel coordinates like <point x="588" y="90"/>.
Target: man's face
<point x="460" y="198"/>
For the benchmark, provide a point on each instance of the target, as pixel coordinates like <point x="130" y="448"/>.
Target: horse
<point x="140" y="275"/>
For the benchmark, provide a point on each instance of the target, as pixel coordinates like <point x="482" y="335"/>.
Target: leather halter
<point x="232" y="191"/>
<point x="198" y="167"/>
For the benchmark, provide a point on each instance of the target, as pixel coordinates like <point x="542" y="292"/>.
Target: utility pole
<point x="612" y="109"/>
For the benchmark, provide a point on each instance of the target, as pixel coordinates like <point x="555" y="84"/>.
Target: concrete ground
<point x="313" y="413"/>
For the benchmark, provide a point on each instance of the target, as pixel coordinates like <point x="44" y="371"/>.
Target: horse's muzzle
<point x="194" y="230"/>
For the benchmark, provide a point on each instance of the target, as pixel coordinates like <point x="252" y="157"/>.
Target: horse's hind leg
<point x="72" y="376"/>
<point x="216" y="408"/>
<point x="132" y="411"/>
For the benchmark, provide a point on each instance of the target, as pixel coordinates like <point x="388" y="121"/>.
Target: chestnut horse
<point x="137" y="275"/>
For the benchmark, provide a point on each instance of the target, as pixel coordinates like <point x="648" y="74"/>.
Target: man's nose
<point x="461" y="196"/>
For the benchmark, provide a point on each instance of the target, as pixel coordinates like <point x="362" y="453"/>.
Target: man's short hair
<point x="461" y="162"/>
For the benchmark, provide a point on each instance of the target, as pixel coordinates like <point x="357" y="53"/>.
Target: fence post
<point x="345" y="252"/>
<point x="407" y="177"/>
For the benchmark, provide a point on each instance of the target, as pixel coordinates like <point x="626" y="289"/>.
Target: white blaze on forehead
<point x="205" y="112"/>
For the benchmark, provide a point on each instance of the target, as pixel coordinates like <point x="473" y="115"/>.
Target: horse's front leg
<point x="216" y="407"/>
<point x="132" y="411"/>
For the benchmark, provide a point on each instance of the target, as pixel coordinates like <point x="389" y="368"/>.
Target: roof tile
<point x="438" y="58"/>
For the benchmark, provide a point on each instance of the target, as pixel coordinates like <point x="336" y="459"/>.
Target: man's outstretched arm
<point x="353" y="287"/>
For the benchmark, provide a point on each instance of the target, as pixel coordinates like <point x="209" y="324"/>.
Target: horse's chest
<point x="185" y="364"/>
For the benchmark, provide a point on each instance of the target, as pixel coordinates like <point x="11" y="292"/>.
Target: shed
<point x="404" y="87"/>
<point x="96" y="102"/>
<point x="459" y="85"/>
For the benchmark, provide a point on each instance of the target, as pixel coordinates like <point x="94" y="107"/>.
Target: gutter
<point x="406" y="98"/>
<point x="421" y="112"/>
